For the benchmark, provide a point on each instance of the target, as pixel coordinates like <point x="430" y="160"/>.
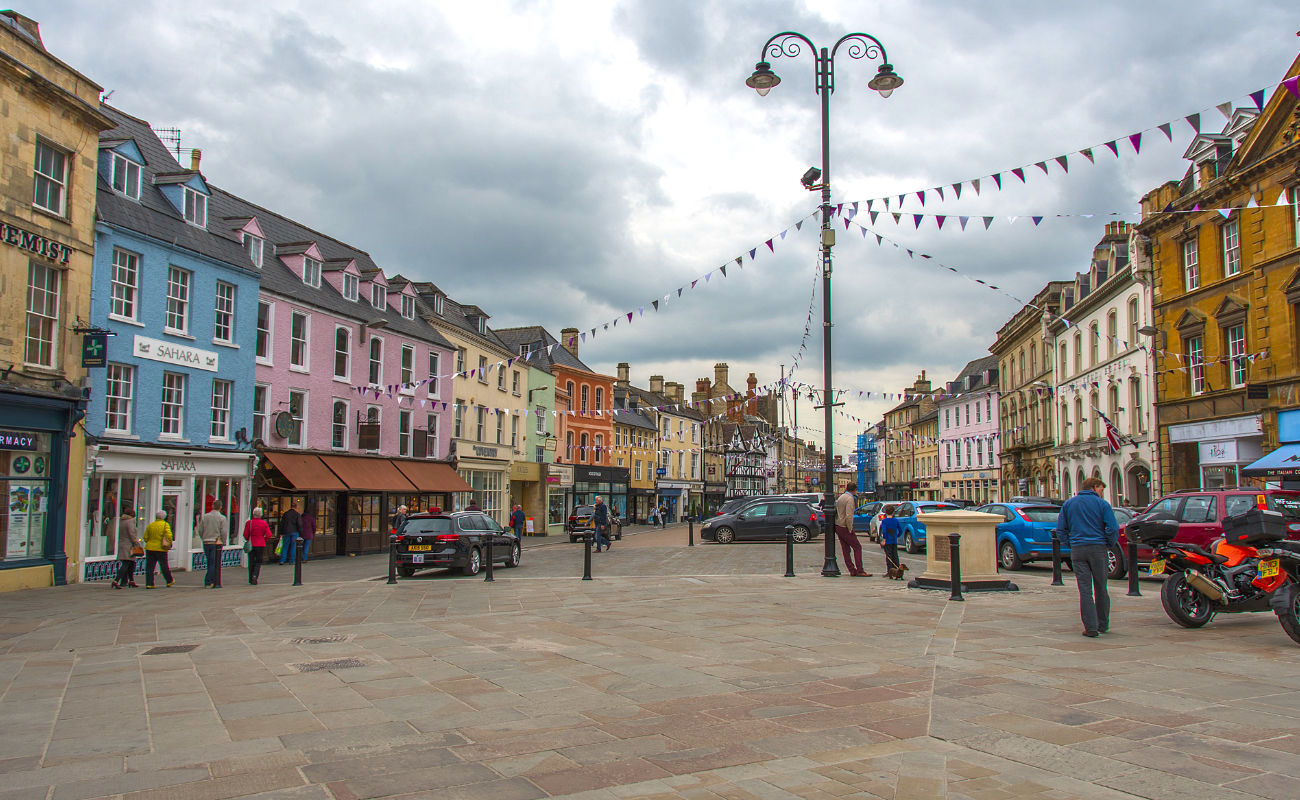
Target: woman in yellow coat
<point x="157" y="541"/>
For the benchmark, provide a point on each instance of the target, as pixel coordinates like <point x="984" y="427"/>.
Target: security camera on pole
<point x="857" y="45"/>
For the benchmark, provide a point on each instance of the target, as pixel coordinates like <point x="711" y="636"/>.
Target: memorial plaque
<point x="940" y="545"/>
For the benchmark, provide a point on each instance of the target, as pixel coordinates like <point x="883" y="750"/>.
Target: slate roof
<point x="541" y="340"/>
<point x="975" y="369"/>
<point x="154" y="216"/>
<point x="456" y="314"/>
<point x="638" y="417"/>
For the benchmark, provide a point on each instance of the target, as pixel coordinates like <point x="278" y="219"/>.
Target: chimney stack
<point x="675" y="391"/>
<point x="720" y="374"/>
<point x="27" y="25"/>
<point x="623" y="369"/>
<point x="569" y="340"/>
<point x="657" y="384"/>
<point x="196" y="155"/>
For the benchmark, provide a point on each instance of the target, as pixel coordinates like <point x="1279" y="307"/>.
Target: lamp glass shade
<point x="886" y="81"/>
<point x="763" y="78"/>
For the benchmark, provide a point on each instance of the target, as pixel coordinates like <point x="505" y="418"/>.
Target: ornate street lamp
<point x="789" y="44"/>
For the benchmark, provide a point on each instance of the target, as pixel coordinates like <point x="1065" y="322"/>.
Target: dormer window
<point x="196" y="208"/>
<point x="408" y="306"/>
<point x="126" y="177"/>
<point x="524" y="350"/>
<point x="350" y="284"/>
<point x="482" y="324"/>
<point x="311" y="271"/>
<point x="255" y="245"/>
<point x="378" y="295"/>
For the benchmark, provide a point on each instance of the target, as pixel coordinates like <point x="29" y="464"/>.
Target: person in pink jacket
<point x="256" y="532"/>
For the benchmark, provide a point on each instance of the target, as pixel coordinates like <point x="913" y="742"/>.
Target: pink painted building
<point x="968" y="434"/>
<point x="351" y="400"/>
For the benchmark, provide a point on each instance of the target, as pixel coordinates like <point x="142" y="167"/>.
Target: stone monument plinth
<point x="978" y="547"/>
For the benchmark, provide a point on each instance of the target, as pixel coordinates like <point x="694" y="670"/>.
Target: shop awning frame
<point x="304" y="471"/>
<point x="432" y="477"/>
<point x="1284" y="462"/>
<point x="365" y="474"/>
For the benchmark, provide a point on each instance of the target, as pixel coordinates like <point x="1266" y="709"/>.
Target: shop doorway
<point x="178" y="516"/>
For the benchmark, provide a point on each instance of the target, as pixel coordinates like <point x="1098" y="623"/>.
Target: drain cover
<point x="337" y="637"/>
<point x="333" y="663"/>
<point x="169" y="649"/>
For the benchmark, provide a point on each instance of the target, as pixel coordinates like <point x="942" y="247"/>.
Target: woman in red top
<point x="256" y="532"/>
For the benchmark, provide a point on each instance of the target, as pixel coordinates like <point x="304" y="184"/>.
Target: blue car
<point x="1025" y="534"/>
<point x="912" y="538"/>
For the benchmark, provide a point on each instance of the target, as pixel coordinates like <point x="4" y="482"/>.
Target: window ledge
<point x="225" y="343"/>
<point x="162" y="437"/>
<point x="177" y="334"/>
<point x="303" y="370"/>
<point x="263" y="362"/>
<point x="125" y="436"/>
<point x="125" y="320"/>
<point x="342" y="379"/>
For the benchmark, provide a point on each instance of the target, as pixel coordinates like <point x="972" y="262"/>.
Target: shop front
<point x="715" y="494"/>
<point x="185" y="483"/>
<point x="675" y="496"/>
<point x="1211" y="454"/>
<point x="527" y="489"/>
<point x="609" y="483"/>
<point x="559" y="480"/>
<point x="1280" y="468"/>
<point x="33" y="476"/>
<point x="486" y="469"/>
<point x="639" y="502"/>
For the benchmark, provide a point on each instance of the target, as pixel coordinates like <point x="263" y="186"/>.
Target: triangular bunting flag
<point x="901" y="197"/>
<point x="873" y="215"/>
<point x="679" y="290"/>
<point x="1042" y="165"/>
<point x="939" y="218"/>
<point x="752" y="252"/>
<point x="916" y="220"/>
<point x="1167" y="130"/>
<point x="1036" y="221"/>
<point x="939" y="189"/>
<point x="921" y="194"/>
<point x="655" y="303"/>
<point x="879" y="238"/>
<point x="798" y="225"/>
<point x="1292" y="85"/>
<point x="1114" y="149"/>
<point x="975" y="184"/>
<point x="707" y="275"/>
<point x="1064" y="162"/>
<point x="697" y="280"/>
<point x="997" y="178"/>
<point x="629" y="316"/>
<point x="956" y="187"/>
<point x="1225" y="109"/>
<point x="723" y="270"/>
<point x="987" y="222"/>
<point x="1087" y="153"/>
<point x="1019" y="173"/>
<point x="1195" y="121"/>
<point x="1136" y="141"/>
<point x="963" y="221"/>
<point x="1225" y="212"/>
<point x="1258" y="97"/>
<point x="897" y="216"/>
<point x="1251" y="202"/>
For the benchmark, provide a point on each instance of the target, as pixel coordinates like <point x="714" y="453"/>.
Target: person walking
<point x="127" y="544"/>
<point x="517" y="520"/>
<point x="600" y="521"/>
<point x="399" y="519"/>
<point x="256" y="533"/>
<point x="889" y="530"/>
<point x="1086" y="525"/>
<point x="289" y="530"/>
<point x="654" y="517"/>
<point x="212" y="531"/>
<point x="845" y="505"/>
<point x="307" y="532"/>
<point x="157" y="543"/>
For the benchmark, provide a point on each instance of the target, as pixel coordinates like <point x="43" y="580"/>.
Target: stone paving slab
<point x="676" y="673"/>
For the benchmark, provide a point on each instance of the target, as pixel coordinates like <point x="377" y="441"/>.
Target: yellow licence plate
<point x="1157" y="566"/>
<point x="415" y="548"/>
<point x="1268" y="569"/>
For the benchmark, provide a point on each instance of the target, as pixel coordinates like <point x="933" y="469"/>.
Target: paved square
<point x="677" y="673"/>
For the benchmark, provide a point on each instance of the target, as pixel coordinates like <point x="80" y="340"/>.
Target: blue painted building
<point x="868" y="459"/>
<point x="177" y="290"/>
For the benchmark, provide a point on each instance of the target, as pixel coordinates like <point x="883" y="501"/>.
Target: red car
<point x="1200" y="514"/>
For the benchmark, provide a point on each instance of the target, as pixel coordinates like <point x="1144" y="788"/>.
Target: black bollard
<point x="789" y="551"/>
<point x="690" y="531"/>
<point x="297" y="563"/>
<point x="954" y="553"/>
<point x="586" y="557"/>
<point x="1133" y="590"/>
<point x="392" y="562"/>
<point x="1056" y="560"/>
<point x="487" y="574"/>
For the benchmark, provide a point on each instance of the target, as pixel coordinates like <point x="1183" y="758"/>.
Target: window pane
<point x="42" y="315"/>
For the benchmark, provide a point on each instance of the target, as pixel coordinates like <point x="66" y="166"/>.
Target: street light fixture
<point x="789" y="44"/>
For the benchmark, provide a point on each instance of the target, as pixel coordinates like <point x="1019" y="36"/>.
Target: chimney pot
<point x="196" y="155"/>
<point x="569" y="340"/>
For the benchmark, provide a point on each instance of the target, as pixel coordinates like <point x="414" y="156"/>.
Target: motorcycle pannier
<point x="1255" y="527"/>
<point x="1152" y="531"/>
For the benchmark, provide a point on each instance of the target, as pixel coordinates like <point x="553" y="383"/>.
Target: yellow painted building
<point x="898" y="477"/>
<point x="925" y="434"/>
<point x="51" y="124"/>
<point x="1225" y="248"/>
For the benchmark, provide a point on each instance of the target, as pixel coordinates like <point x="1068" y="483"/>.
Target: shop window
<point x="107" y="494"/>
<point x="207" y="493"/>
<point x="24" y="480"/>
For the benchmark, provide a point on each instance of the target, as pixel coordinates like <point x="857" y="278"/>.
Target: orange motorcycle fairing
<point x="1235" y="554"/>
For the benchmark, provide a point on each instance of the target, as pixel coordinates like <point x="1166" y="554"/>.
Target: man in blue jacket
<point x="600" y="520"/>
<point x="1087" y="526"/>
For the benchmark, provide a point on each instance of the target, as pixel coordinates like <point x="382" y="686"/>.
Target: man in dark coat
<point x="600" y="519"/>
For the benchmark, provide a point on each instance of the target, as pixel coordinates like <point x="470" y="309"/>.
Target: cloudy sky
<point x="562" y="163"/>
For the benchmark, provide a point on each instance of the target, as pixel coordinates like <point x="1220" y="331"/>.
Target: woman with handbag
<point x="256" y="534"/>
<point x="129" y="547"/>
<point x="157" y="542"/>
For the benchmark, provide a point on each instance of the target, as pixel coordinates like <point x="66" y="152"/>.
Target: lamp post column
<point x="830" y="569"/>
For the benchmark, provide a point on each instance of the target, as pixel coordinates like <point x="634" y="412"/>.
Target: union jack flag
<point x="1113" y="438"/>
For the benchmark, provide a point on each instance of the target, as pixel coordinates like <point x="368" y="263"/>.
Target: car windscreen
<point x="414" y="527"/>
<point x="1123" y="515"/>
<point x="584" y="511"/>
<point x="1042" y="513"/>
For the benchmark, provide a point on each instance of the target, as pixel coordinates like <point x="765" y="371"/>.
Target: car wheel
<point x="1116" y="568"/>
<point x="909" y="544"/>
<point x="473" y="563"/>
<point x="406" y="571"/>
<point x="800" y="534"/>
<point x="724" y="536"/>
<point x="515" y="553"/>
<point x="1008" y="557"/>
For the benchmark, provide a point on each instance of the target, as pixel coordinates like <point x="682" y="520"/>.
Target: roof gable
<point x="124" y="147"/>
<point x="1276" y="128"/>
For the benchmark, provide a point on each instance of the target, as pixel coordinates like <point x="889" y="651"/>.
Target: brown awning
<point x="433" y="477"/>
<point x="368" y="474"/>
<point x="305" y="471"/>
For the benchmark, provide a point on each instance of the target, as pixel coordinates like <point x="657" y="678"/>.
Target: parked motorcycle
<point x="1250" y="568"/>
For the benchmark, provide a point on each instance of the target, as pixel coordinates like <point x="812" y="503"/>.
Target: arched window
<point x="1094" y="345"/>
<point x="1116" y="487"/>
<point x="568" y="444"/>
<point x="600" y="398"/>
<point x="1065" y="484"/>
<point x="1022" y="366"/>
<point x="1133" y="322"/>
<point x="1033" y="359"/>
<point x="600" y="444"/>
<point x="582" y="451"/>
<point x="1112" y="332"/>
<point x="585" y="395"/>
<point x="1078" y="418"/>
<point x="1093" y="422"/>
<point x="1065" y="423"/>
<point x="1078" y="353"/>
<point x="339" y="434"/>
<point x="1064" y="364"/>
<point x="569" y="388"/>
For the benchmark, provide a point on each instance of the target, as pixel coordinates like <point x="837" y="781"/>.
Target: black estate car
<point x="454" y="540"/>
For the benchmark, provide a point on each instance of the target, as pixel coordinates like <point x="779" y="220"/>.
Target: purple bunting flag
<point x="916" y="220"/>
<point x="1036" y="220"/>
<point x="921" y="195"/>
<point x="939" y="218"/>
<point x="1292" y="85"/>
<point x="963" y="221"/>
<point x="1136" y="141"/>
<point x="1258" y="97"/>
<point x="752" y="252"/>
<point x="770" y="247"/>
<point x="956" y="187"/>
<point x="1019" y="173"/>
<point x="629" y="316"/>
<point x="1114" y="149"/>
<point x="997" y="178"/>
